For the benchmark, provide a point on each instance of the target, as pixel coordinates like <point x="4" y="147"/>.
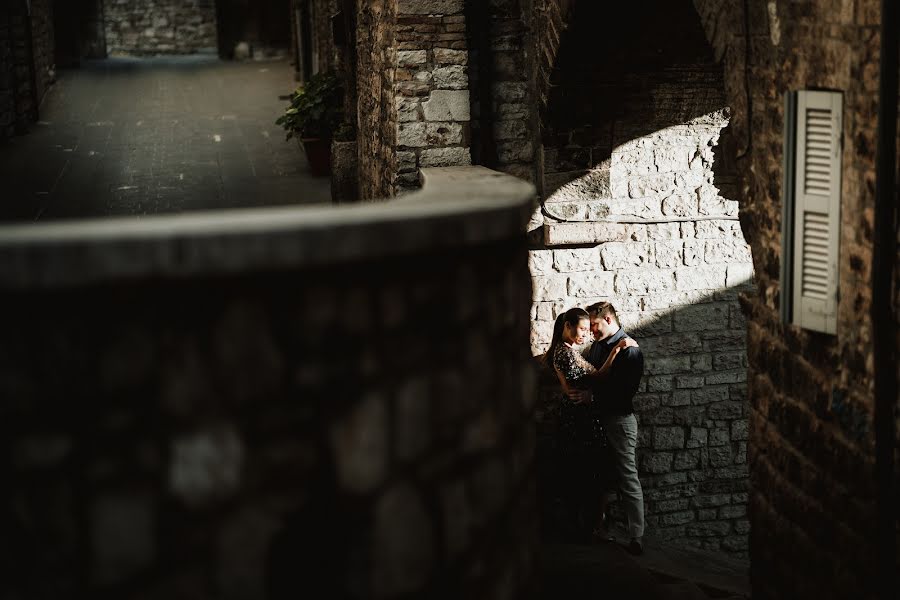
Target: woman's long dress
<point x="584" y="450"/>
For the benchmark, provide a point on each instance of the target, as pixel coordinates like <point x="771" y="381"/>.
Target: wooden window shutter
<point x="816" y="210"/>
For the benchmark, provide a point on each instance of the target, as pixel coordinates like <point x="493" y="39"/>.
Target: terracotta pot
<point x="318" y="153"/>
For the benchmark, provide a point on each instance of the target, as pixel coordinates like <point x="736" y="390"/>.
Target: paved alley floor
<point x="160" y="135"/>
<point x="663" y="573"/>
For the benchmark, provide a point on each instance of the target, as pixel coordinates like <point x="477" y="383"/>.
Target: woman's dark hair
<point x="572" y="316"/>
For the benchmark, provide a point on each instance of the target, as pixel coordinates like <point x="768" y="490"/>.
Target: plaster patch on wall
<point x="774" y="23"/>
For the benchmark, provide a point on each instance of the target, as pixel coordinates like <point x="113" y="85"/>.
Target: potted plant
<point x="314" y="113"/>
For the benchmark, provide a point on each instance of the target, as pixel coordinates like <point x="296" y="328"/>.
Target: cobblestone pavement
<point x="162" y="135"/>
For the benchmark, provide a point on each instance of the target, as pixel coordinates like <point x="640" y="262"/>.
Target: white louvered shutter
<point x="817" y="196"/>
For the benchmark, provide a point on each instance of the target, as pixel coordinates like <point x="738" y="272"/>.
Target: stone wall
<point x="812" y="504"/>
<point x="377" y="119"/>
<point x="234" y="443"/>
<point x="513" y="116"/>
<point x="431" y="88"/>
<point x="325" y="53"/>
<point x="7" y="78"/>
<point x="634" y="214"/>
<point x="42" y="46"/>
<point x="26" y="64"/>
<point x="138" y="27"/>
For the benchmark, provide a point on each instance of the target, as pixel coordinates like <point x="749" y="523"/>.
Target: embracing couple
<point x="599" y="385"/>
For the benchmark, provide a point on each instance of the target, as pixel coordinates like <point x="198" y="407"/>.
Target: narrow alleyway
<point x="138" y="137"/>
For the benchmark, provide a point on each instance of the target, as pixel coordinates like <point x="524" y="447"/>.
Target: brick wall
<point x="163" y="27"/>
<point x="377" y="118"/>
<point x="634" y="213"/>
<point x="812" y="502"/>
<point x="431" y="88"/>
<point x="233" y="444"/>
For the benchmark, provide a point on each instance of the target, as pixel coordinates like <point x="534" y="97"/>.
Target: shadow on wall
<point x="693" y="423"/>
<point x="628" y="84"/>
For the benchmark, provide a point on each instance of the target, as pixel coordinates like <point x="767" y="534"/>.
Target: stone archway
<point x="639" y="210"/>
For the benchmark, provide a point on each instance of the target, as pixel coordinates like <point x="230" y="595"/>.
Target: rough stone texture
<point x="432" y="88"/>
<point x="377" y="112"/>
<point x="26" y="64"/>
<point x="504" y="121"/>
<point x="232" y="444"/>
<point x="344" y="172"/>
<point x="811" y="433"/>
<point x="136" y="27"/>
<point x="632" y="162"/>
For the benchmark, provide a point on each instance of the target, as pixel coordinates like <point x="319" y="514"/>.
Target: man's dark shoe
<point x="635" y="547"/>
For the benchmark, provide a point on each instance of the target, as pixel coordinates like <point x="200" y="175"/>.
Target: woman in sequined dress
<point x="587" y="471"/>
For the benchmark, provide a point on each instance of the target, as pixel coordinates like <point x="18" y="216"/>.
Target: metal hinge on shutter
<point x="811" y="209"/>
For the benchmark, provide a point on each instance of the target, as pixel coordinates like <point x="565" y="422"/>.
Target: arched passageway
<point x="640" y="209"/>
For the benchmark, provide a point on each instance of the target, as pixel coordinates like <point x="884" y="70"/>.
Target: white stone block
<point x="727" y="251"/>
<point x="651" y="185"/>
<point x="644" y="281"/>
<point x="739" y="274"/>
<point x="719" y="228"/>
<point x="576" y="259"/>
<point x="671" y="159"/>
<point x="548" y="287"/>
<point x="556" y="234"/>
<point x="585" y="285"/>
<point x="693" y="253"/>
<point x="642" y="208"/>
<point x="540" y="262"/>
<point x="663" y="231"/>
<point x="710" y="277"/>
<point x="681" y="204"/>
<point x="669" y="255"/>
<point x="626" y="255"/>
<point x="447" y="105"/>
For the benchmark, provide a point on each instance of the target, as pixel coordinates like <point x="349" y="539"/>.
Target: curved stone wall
<point x="273" y="403"/>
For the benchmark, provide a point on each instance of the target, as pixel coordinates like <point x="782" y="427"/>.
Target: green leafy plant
<point x="315" y="109"/>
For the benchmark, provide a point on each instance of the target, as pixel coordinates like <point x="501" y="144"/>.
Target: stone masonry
<point x="139" y="28"/>
<point x="432" y="88"/>
<point x="183" y="434"/>
<point x="812" y="443"/>
<point x="514" y="112"/>
<point x="633" y="215"/>
<point x="376" y="64"/>
<point x="26" y="64"/>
